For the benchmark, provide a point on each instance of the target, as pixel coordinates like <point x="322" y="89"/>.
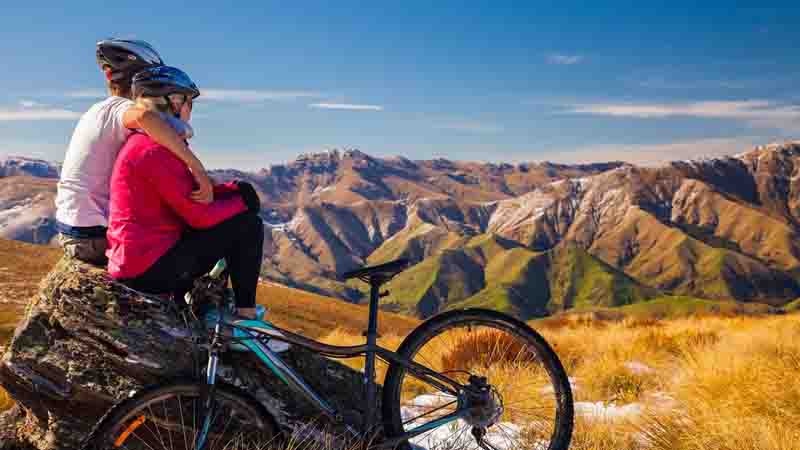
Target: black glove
<point x="249" y="196"/>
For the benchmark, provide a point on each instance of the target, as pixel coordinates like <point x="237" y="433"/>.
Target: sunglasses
<point x="179" y="100"/>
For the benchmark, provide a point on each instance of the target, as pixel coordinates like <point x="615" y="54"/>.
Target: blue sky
<point x="497" y="81"/>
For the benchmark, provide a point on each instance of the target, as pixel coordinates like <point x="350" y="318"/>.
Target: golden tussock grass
<point x="485" y="348"/>
<point x="704" y="383"/>
<point x="721" y="383"/>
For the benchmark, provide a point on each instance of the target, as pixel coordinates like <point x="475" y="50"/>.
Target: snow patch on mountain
<point x="20" y="165"/>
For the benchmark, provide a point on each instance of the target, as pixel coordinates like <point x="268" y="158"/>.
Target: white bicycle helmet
<point x="126" y="57"/>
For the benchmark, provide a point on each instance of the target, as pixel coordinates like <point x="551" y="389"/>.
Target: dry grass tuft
<point x="485" y="348"/>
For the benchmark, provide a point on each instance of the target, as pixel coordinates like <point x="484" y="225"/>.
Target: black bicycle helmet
<point x="126" y="57"/>
<point x="162" y="81"/>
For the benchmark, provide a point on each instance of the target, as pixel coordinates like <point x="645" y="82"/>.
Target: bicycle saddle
<point x="386" y="270"/>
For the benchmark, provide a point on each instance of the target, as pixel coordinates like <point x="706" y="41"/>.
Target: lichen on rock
<point x="87" y="342"/>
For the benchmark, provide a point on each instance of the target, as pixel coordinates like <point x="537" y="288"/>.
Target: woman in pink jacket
<point x="159" y="239"/>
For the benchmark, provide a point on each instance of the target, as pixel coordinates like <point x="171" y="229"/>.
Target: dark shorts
<point x="90" y="250"/>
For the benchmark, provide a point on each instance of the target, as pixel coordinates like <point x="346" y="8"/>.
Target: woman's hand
<point x="249" y="196"/>
<point x="205" y="188"/>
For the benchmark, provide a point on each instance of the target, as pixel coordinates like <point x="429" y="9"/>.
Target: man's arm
<point x="157" y="128"/>
<point x="169" y="177"/>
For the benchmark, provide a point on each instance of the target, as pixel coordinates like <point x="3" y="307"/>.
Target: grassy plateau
<point x="672" y="373"/>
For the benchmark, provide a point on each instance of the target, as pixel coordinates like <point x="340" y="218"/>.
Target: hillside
<point x="492" y="272"/>
<point x="682" y="229"/>
<point x="27" y="194"/>
<point x="331" y="212"/>
<point x="530" y="239"/>
<point x="26" y="264"/>
<point x="674" y="232"/>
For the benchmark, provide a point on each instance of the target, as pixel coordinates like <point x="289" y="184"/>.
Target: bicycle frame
<point x="255" y="339"/>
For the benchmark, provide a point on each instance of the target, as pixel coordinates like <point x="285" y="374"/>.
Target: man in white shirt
<point x="82" y="200"/>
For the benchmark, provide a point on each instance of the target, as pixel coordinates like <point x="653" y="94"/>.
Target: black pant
<point x="239" y="240"/>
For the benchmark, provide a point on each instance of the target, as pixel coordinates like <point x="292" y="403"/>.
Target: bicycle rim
<point x="172" y="418"/>
<point x="528" y="405"/>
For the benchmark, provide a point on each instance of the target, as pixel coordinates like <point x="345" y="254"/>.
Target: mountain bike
<point x="470" y="378"/>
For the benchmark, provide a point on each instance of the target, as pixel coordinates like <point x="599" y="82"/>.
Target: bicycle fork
<point x="209" y="388"/>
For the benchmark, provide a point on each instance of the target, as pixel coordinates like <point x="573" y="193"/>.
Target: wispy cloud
<point x="347" y="106"/>
<point x="470" y="126"/>
<point x="30" y="110"/>
<point x="757" y="113"/>
<point x="248" y="95"/>
<point x="659" y="82"/>
<point x="221" y="95"/>
<point x="563" y="59"/>
<point x="653" y="154"/>
<point x="86" y="93"/>
<point x="29" y="103"/>
<point x="8" y="115"/>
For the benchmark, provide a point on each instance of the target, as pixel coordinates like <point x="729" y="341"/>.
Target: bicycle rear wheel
<point x="171" y="417"/>
<point x="527" y="402"/>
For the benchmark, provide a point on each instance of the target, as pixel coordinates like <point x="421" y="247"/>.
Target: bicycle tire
<point x="440" y="324"/>
<point x="109" y="430"/>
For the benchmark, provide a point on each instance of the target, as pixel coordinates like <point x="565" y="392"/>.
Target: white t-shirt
<point x="83" y="190"/>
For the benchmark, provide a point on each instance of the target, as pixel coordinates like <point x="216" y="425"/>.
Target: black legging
<point x="239" y="240"/>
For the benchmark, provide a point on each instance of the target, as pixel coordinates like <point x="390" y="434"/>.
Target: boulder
<point x="87" y="342"/>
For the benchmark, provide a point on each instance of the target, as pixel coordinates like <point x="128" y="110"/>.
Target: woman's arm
<point x="161" y="132"/>
<point x="171" y="178"/>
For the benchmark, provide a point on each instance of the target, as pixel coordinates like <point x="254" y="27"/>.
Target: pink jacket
<point x="151" y="209"/>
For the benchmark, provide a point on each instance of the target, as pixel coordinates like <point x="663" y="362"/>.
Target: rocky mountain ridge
<point x="32" y="167"/>
<point x="722" y="228"/>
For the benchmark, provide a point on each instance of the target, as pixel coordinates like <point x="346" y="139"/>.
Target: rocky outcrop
<point x="87" y="342"/>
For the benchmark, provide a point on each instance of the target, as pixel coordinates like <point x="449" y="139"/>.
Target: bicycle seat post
<point x="370" y="392"/>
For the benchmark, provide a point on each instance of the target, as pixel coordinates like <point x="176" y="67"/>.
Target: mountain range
<point x="531" y="239"/>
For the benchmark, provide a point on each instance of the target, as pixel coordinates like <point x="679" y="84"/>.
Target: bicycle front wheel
<point x="527" y="403"/>
<point x="173" y="416"/>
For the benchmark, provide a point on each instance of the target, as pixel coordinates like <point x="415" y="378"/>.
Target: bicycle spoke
<point x="225" y="428"/>
<point x="486" y="446"/>
<point x="134" y="434"/>
<point x="180" y="409"/>
<point x="520" y="381"/>
<point x="505" y="434"/>
<point x="161" y="423"/>
<point x="439" y="442"/>
<point x="160" y="439"/>
<point x="429" y="412"/>
<point x="456" y="443"/>
<point x="194" y="425"/>
<point x="172" y="447"/>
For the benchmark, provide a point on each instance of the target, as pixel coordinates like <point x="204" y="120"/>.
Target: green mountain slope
<point x="491" y="272"/>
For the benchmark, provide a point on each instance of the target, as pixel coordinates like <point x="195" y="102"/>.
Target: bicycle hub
<point x="484" y="405"/>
